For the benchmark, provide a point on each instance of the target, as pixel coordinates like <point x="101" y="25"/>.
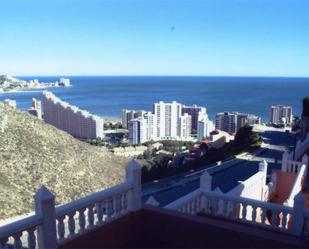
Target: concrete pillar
<point x="284" y="164"/>
<point x="206" y="181"/>
<point x="133" y="176"/>
<point x="45" y="207"/>
<point x="263" y="168"/>
<point x="298" y="214"/>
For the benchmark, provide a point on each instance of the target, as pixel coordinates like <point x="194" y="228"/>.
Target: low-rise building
<point x="10" y="102"/>
<point x="129" y="151"/>
<point x="219" y="138"/>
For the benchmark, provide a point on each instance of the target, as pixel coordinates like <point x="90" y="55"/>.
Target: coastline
<point x="28" y="89"/>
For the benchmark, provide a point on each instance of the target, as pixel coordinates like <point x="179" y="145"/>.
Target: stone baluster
<point x="189" y="208"/>
<point x="183" y="209"/>
<point x="71" y="224"/>
<point x="109" y="209"/>
<point x="263" y="220"/>
<point x="31" y="238"/>
<point x="99" y="208"/>
<point x="291" y="169"/>
<point x="45" y="208"/>
<point x="244" y="211"/>
<point x="81" y="220"/>
<point x="284" y="220"/>
<point x="104" y="210"/>
<point x="253" y="213"/>
<point x="90" y="217"/>
<point x="124" y="203"/>
<point x="193" y="207"/>
<point x="60" y="227"/>
<point x="17" y="241"/>
<point x="224" y="208"/>
<point x="117" y="205"/>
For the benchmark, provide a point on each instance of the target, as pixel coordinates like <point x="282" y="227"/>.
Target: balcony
<point x="116" y="218"/>
<point x="154" y="227"/>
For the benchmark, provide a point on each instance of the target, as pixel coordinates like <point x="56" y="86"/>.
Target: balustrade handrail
<point x="20" y="226"/>
<point x="241" y="200"/>
<point x="86" y="201"/>
<point x="297" y="184"/>
<point x="295" y="162"/>
<point x="184" y="199"/>
<point x="249" y="201"/>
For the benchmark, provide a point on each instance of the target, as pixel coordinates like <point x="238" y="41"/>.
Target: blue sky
<point x="155" y="37"/>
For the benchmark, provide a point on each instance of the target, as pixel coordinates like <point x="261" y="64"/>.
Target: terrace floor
<point x="154" y="227"/>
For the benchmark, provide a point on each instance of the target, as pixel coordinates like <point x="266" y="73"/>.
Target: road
<point x="275" y="141"/>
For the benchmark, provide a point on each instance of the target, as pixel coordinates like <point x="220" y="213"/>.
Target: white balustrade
<point x="300" y="149"/>
<point x="236" y="208"/>
<point x="21" y="233"/>
<point x="51" y="226"/>
<point x="293" y="166"/>
<point x="297" y="185"/>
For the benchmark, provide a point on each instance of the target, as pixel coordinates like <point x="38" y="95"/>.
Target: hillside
<point x="34" y="153"/>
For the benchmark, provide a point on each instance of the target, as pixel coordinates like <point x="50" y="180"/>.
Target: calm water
<point x="107" y="96"/>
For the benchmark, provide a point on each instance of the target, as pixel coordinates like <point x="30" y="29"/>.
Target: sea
<point x="106" y="96"/>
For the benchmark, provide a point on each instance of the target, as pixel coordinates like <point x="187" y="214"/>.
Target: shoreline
<point x="22" y="90"/>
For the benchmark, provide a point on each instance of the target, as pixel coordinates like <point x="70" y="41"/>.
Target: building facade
<point x="194" y="111"/>
<point x="165" y="122"/>
<point x="69" y="118"/>
<point x="281" y="115"/>
<point x="231" y="122"/>
<point x="128" y="115"/>
<point x="204" y="127"/>
<point x="36" y="108"/>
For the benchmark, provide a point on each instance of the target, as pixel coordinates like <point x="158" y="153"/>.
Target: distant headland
<point x="9" y="83"/>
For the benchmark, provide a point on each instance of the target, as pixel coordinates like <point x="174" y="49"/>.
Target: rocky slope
<point x="33" y="153"/>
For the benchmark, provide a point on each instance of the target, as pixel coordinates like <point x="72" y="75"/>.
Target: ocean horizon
<point x="108" y="95"/>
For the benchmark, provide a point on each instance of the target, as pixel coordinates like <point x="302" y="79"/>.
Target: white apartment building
<point x="142" y="129"/>
<point x="204" y="127"/>
<point x="69" y="118"/>
<point x="280" y="114"/>
<point x="168" y="119"/>
<point x="185" y="126"/>
<point x="165" y="122"/>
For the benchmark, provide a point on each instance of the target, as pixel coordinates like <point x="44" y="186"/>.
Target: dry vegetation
<point x="33" y="153"/>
